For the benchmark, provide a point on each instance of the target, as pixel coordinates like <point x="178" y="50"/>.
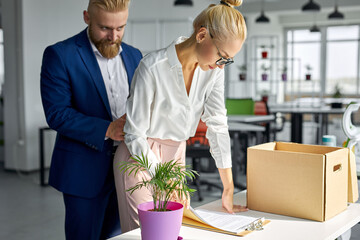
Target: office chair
<point x="197" y="147"/>
<point x="241" y="106"/>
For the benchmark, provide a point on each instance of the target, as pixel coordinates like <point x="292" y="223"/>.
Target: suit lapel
<point x="89" y="60"/>
<point x="128" y="66"/>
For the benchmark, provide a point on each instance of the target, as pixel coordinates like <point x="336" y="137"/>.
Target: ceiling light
<point x="314" y="29"/>
<point x="336" y="14"/>
<point x="311" y="7"/>
<point x="183" y="3"/>
<point x="262" y="18"/>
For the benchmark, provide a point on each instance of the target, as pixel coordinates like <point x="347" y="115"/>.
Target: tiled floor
<point x="31" y="212"/>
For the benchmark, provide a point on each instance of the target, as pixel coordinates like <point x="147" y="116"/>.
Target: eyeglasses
<point x="222" y="60"/>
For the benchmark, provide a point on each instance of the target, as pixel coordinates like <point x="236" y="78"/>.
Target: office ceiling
<point x="250" y="6"/>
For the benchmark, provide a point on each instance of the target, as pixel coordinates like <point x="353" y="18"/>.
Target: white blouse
<point x="159" y="106"/>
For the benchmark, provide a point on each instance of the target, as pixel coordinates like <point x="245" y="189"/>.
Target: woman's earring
<point x="198" y="41"/>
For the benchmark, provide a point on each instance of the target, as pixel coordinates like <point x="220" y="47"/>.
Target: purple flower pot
<point x="284" y="77"/>
<point x="264" y="76"/>
<point x="308" y="77"/>
<point x="160" y="225"/>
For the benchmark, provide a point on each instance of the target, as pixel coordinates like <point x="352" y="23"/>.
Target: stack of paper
<point x="222" y="222"/>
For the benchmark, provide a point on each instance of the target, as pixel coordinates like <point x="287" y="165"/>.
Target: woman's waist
<point x="168" y="142"/>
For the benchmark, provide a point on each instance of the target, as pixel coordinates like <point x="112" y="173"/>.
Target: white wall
<point x="13" y="106"/>
<point x="30" y="26"/>
<point x="54" y="21"/>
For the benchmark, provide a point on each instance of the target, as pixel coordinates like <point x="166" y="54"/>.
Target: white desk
<point x="321" y="101"/>
<point x="280" y="227"/>
<point x="251" y="118"/>
<point x="244" y="127"/>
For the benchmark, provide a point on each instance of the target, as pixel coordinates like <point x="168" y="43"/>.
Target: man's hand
<point x="115" y="130"/>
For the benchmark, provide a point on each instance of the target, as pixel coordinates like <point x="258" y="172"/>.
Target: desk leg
<point x="42" y="158"/>
<point x="235" y="155"/>
<point x="326" y="123"/>
<point x="267" y="132"/>
<point x="319" y="129"/>
<point x="296" y="127"/>
<point x="245" y="136"/>
<point x="236" y="159"/>
<point x="196" y="167"/>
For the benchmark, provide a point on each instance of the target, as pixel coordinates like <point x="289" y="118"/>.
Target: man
<point x="84" y="86"/>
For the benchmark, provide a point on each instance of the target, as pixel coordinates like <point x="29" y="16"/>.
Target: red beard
<point x="108" y="49"/>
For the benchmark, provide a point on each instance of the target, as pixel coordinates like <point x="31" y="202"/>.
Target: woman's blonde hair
<point x="109" y="5"/>
<point x="222" y="21"/>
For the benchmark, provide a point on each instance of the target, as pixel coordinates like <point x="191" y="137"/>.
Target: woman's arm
<point x="228" y="192"/>
<point x="138" y="114"/>
<point x="218" y="134"/>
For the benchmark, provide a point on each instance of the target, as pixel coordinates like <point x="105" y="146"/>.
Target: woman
<point x="171" y="90"/>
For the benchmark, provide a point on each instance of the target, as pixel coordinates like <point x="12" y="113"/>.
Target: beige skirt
<point x="165" y="150"/>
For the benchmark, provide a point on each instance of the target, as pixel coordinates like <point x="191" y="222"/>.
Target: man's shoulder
<point x="71" y="42"/>
<point x="130" y="49"/>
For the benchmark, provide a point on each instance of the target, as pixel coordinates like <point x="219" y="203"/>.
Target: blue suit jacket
<point x="76" y="106"/>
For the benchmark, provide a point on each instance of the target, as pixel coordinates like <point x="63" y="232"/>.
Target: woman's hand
<point x="227" y="202"/>
<point x="228" y="193"/>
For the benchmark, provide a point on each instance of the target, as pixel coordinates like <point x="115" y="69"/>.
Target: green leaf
<point x="169" y="178"/>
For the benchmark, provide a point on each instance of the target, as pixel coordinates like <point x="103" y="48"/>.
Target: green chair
<point x="241" y="106"/>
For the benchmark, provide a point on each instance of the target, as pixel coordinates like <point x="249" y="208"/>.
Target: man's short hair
<point x="109" y="5"/>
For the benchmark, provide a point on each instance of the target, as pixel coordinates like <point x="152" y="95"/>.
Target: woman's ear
<point x="201" y="34"/>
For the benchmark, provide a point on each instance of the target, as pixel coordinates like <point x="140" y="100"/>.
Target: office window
<point x="339" y="58"/>
<point x="343" y="33"/>
<point x="306" y="48"/>
<point x="342" y="59"/>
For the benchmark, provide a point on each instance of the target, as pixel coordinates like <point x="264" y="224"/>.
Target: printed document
<point x="231" y="223"/>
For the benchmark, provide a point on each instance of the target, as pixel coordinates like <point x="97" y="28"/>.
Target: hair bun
<point x="233" y="3"/>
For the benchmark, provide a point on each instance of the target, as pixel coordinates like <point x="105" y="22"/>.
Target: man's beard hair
<point x="104" y="46"/>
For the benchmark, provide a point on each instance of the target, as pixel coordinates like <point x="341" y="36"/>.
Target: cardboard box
<point x="353" y="190"/>
<point x="305" y="181"/>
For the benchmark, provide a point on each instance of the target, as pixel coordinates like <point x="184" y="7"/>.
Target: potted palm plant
<point x="308" y="72"/>
<point x="243" y="69"/>
<point x="161" y="218"/>
<point x="264" y="75"/>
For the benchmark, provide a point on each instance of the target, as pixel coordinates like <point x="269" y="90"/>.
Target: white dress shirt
<point x="159" y="106"/>
<point x="116" y="81"/>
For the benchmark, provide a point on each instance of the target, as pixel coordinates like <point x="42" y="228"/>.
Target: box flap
<point x="265" y="146"/>
<point x="305" y="148"/>
<point x="336" y="180"/>
<point x="353" y="190"/>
